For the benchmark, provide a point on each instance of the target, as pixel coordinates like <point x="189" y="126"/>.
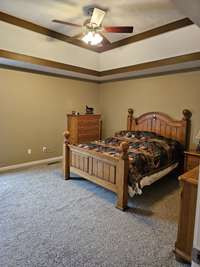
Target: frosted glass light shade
<point x="92" y="38"/>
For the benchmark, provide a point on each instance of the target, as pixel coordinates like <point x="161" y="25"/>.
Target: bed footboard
<point x="104" y="170"/>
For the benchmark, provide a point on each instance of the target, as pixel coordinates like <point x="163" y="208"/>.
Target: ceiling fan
<point x="92" y="29"/>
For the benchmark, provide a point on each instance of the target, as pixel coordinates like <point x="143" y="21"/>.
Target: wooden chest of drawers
<point x="84" y="128"/>
<point x="192" y="159"/>
<point x="184" y="242"/>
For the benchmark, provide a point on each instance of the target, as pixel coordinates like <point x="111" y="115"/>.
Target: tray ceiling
<point x="158" y="18"/>
<point x="142" y="14"/>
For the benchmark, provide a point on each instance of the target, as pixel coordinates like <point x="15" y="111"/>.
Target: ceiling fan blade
<point x="66" y="23"/>
<point x="105" y="40"/>
<point x="119" y="29"/>
<point x="97" y="17"/>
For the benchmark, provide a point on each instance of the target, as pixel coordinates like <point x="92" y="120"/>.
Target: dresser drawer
<point x="191" y="160"/>
<point x="188" y="199"/>
<point x="89" y="128"/>
<point x="88" y="137"/>
<point x="192" y="163"/>
<point x="88" y="123"/>
<point x="84" y="128"/>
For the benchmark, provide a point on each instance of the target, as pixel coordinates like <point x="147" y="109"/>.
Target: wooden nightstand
<point x="192" y="159"/>
<point x="184" y="241"/>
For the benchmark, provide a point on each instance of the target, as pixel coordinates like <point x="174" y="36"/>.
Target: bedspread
<point x="148" y="153"/>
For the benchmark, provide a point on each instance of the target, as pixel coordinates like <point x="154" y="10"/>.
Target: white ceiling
<point x="142" y="14"/>
<point x="191" y="10"/>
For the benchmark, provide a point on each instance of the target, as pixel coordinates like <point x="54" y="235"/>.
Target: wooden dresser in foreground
<point x="183" y="245"/>
<point x="192" y="159"/>
<point x="84" y="128"/>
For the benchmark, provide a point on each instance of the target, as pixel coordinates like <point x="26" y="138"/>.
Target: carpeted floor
<point x="46" y="222"/>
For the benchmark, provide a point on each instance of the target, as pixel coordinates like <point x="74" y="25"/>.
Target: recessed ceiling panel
<point x="142" y="14"/>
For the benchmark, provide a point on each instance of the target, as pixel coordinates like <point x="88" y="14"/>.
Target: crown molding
<point x="47" y="63"/>
<point x="153" y="64"/>
<point x="46" y="73"/>
<point x="150" y="75"/>
<point x="98" y="74"/>
<point x="62" y="37"/>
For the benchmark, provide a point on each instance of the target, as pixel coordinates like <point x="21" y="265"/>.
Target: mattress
<point x="150" y="179"/>
<point x="151" y="156"/>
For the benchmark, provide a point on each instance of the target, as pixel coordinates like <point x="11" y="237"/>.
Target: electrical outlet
<point x="29" y="151"/>
<point x="44" y="149"/>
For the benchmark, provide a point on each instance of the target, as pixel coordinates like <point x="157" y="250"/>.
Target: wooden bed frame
<point x="112" y="173"/>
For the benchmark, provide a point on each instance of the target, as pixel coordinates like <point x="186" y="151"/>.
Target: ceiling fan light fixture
<point x="92" y="38"/>
<point x="97" y="39"/>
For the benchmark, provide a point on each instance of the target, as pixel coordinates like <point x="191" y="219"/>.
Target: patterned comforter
<point x="148" y="153"/>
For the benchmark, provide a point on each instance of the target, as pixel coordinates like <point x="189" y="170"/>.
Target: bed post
<point x="130" y="119"/>
<point x="187" y="114"/>
<point x="66" y="156"/>
<point x="122" y="177"/>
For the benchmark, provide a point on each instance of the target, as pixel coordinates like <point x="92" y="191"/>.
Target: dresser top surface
<point x="72" y="115"/>
<point x="192" y="153"/>
<point x="191" y="176"/>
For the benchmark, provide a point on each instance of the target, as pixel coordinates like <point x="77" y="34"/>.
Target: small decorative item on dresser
<point x="192" y="159"/>
<point x="198" y="146"/>
<point x="75" y="113"/>
<point x="89" y="110"/>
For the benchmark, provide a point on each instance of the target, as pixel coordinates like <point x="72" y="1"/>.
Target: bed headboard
<point x="162" y="124"/>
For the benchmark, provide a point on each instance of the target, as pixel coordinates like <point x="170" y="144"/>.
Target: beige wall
<point x="33" y="107"/>
<point x="170" y="94"/>
<point x="32" y="113"/>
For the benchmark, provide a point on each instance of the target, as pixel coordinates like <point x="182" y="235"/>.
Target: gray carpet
<point x="46" y="221"/>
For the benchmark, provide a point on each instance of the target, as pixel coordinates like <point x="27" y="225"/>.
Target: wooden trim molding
<point x="62" y="37"/>
<point x="45" y="62"/>
<point x="153" y="64"/>
<point x="150" y="75"/>
<point x="46" y="73"/>
<point x="148" y="34"/>
<point x="139" y="67"/>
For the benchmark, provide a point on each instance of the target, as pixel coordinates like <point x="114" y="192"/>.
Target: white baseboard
<point x="28" y="164"/>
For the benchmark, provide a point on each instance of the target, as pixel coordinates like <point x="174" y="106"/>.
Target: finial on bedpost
<point x="124" y="150"/>
<point x="66" y="156"/>
<point x="187" y="114"/>
<point x="66" y="137"/>
<point x="130" y="112"/>
<point x="130" y="119"/>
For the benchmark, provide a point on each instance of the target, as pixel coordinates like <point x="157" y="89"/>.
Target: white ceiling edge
<point x="174" y="43"/>
<point x="48" y="70"/>
<point x="133" y="74"/>
<point x="193" y="65"/>
<point x="23" y="41"/>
